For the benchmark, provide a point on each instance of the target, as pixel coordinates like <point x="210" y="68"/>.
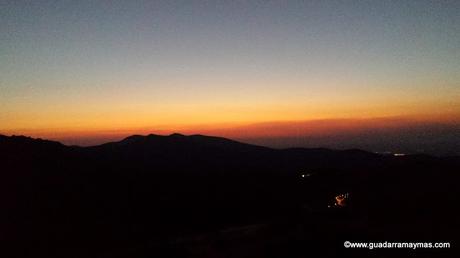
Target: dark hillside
<point x="200" y="196"/>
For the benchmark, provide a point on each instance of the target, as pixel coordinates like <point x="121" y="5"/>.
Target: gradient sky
<point x="82" y="68"/>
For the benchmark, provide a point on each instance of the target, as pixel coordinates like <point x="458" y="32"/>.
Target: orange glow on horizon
<point x="293" y="128"/>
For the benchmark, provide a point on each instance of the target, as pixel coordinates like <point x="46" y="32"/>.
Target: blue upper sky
<point x="237" y="58"/>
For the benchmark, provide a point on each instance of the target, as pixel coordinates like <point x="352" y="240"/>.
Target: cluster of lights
<point x="340" y="200"/>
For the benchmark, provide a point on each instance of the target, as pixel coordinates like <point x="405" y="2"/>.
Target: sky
<point x="86" y="71"/>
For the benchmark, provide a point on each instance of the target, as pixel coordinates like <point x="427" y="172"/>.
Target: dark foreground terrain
<point x="197" y="196"/>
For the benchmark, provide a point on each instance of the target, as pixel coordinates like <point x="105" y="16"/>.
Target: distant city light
<point x="399" y="154"/>
<point x="341" y="200"/>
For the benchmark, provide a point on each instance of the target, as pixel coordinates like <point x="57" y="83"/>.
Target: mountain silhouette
<point x="177" y="195"/>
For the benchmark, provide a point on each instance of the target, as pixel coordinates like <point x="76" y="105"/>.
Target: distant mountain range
<point x="176" y="149"/>
<point x="123" y="199"/>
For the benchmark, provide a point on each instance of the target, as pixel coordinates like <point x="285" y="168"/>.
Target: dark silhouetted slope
<point x="170" y="196"/>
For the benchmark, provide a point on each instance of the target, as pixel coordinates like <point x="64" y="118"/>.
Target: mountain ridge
<point x="196" y="138"/>
<point x="144" y="189"/>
